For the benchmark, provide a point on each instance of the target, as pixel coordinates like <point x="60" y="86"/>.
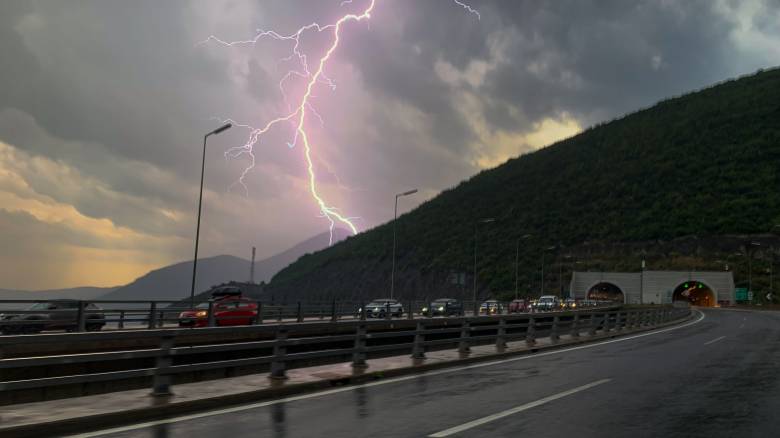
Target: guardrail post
<point x="411" y="311"/>
<point x="162" y="380"/>
<point x="280" y="350"/>
<point x="530" y="331"/>
<point x="82" y="316"/>
<point x="152" y="315"/>
<point x="618" y="321"/>
<point x="259" y="314"/>
<point x="212" y="319"/>
<point x="554" y="337"/>
<point x="299" y="315"/>
<point x="388" y="315"/>
<point x="575" y="326"/>
<point x="359" y="352"/>
<point x="465" y="333"/>
<point x="607" y="320"/>
<point x="362" y="311"/>
<point x="121" y="323"/>
<point x="593" y="324"/>
<point x="333" y="316"/>
<point x="418" y="349"/>
<point x="501" y="337"/>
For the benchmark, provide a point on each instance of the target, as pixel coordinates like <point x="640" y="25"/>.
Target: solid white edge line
<point x="377" y="383"/>
<point x="714" y="340"/>
<point x="515" y="410"/>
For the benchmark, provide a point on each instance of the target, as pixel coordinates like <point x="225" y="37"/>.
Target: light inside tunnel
<point x="606" y="292"/>
<point x="696" y="293"/>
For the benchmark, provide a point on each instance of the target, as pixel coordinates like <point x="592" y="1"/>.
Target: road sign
<point x="750" y="295"/>
<point x="741" y="294"/>
<point x="769" y="296"/>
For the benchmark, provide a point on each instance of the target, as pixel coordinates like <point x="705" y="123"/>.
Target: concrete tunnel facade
<point x="657" y="287"/>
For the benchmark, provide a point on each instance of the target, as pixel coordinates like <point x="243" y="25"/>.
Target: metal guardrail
<point x="282" y="352"/>
<point x="134" y="315"/>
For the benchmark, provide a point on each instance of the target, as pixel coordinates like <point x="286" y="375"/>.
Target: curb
<point x="162" y="411"/>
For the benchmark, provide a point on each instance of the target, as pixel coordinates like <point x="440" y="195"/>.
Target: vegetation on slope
<point x="704" y="164"/>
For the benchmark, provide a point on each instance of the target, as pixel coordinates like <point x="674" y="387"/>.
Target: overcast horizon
<point x="104" y="105"/>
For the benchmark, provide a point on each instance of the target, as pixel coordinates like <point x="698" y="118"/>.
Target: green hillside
<point x="704" y="164"/>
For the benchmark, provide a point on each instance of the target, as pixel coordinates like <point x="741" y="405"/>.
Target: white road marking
<point x="368" y="385"/>
<point x="714" y="340"/>
<point x="508" y="412"/>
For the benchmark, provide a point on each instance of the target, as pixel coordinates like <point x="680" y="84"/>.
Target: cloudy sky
<point x="104" y="104"/>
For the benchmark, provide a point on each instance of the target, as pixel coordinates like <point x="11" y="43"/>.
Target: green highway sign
<point x="741" y="294"/>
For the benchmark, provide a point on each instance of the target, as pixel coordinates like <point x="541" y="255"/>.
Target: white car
<point x="547" y="303"/>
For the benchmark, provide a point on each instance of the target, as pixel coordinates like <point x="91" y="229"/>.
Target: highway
<point x="718" y="375"/>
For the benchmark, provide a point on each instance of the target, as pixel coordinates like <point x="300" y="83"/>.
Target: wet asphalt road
<point x="719" y="377"/>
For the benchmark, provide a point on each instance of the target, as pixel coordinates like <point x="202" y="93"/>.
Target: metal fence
<point x="356" y="340"/>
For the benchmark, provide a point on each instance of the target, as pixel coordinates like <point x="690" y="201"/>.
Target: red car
<point x="518" y="306"/>
<point x="227" y="311"/>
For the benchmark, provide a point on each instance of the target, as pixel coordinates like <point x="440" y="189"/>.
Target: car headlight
<point x="201" y="313"/>
<point x="360" y="310"/>
<point x="424" y="309"/>
<point x="441" y="308"/>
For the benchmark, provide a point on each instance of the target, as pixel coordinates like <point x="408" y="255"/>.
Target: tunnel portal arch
<point x="606" y="291"/>
<point x="695" y="292"/>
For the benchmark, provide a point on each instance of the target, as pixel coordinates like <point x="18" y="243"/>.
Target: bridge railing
<point x="355" y="341"/>
<point x="35" y="316"/>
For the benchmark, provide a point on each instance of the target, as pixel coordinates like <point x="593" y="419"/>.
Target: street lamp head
<point x="487" y="220"/>
<point x="222" y="128"/>
<point x="410" y="192"/>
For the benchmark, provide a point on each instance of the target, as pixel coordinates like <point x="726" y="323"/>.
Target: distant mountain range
<point x="78" y="293"/>
<point x="173" y="282"/>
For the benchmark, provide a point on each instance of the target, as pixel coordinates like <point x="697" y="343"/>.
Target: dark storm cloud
<point x="118" y="94"/>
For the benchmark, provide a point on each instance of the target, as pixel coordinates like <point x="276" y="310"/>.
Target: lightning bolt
<point x="468" y="8"/>
<point x="297" y="113"/>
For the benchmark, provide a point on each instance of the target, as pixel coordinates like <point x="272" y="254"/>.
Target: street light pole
<point x="517" y="264"/>
<point x="543" y="252"/>
<point x="750" y="265"/>
<point x="221" y="129"/>
<point x="476" y="226"/>
<point x="395" y="219"/>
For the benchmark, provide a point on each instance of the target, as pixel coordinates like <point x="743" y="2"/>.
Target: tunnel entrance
<point x="696" y="293"/>
<point x="606" y="292"/>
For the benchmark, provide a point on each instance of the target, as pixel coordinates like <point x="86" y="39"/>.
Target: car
<point x="547" y="303"/>
<point x="569" y="303"/>
<point x="52" y="315"/>
<point x="229" y="306"/>
<point x="519" y="305"/>
<point x="443" y="307"/>
<point x="379" y="308"/>
<point x="491" y="307"/>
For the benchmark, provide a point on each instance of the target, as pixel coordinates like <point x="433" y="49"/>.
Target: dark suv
<point x="52" y="315"/>
<point x="444" y="307"/>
